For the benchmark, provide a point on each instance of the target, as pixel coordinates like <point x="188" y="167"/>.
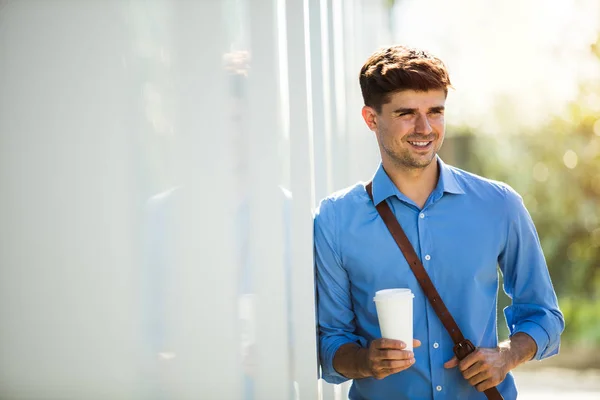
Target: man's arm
<point x="344" y="354"/>
<point x="335" y="312"/>
<point x="350" y="361"/>
<point x="518" y="349"/>
<point x="534" y="309"/>
<point x="533" y="318"/>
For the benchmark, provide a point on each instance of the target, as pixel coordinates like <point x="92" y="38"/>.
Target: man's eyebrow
<point x="402" y="110"/>
<point x="406" y="110"/>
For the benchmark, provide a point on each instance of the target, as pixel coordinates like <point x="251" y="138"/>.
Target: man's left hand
<point x="484" y="368"/>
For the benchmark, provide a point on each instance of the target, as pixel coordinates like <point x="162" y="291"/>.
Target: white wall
<point x="159" y="164"/>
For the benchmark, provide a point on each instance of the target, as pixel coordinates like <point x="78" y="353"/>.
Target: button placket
<point x="433" y="353"/>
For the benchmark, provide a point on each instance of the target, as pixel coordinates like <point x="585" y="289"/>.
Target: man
<point x="461" y="226"/>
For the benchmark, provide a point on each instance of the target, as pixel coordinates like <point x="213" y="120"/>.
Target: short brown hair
<point x="393" y="69"/>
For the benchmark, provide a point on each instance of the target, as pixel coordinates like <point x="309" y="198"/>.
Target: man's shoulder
<point x="344" y="198"/>
<point x="481" y="186"/>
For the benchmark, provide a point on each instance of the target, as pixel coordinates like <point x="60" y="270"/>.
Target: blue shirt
<point x="468" y="226"/>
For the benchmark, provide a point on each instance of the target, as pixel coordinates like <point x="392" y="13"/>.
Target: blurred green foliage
<point x="556" y="169"/>
<point x="583" y="320"/>
<point x="564" y="200"/>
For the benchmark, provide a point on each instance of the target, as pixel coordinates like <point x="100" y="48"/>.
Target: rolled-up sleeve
<point x="534" y="309"/>
<point x="334" y="303"/>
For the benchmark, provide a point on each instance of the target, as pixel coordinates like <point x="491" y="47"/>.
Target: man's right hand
<point x="387" y="356"/>
<point x="383" y="357"/>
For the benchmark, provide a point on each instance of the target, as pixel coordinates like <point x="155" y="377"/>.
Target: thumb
<point x="452" y="363"/>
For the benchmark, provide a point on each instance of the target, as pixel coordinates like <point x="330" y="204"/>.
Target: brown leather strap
<point x="462" y="347"/>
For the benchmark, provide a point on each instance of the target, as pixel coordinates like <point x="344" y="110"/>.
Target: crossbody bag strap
<point x="462" y="347"/>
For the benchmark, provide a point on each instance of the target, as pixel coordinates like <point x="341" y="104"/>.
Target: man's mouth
<point x="420" y="144"/>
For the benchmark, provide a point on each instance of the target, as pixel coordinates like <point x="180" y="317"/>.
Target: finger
<point x="394" y="355"/>
<point x="389" y="344"/>
<point x="390" y="371"/>
<point x="396" y="364"/>
<point x="416" y="343"/>
<point x="384" y="373"/>
<point x="452" y="363"/>
<point x="475" y="369"/>
<point x="485" y="385"/>
<point x="479" y="378"/>
<point x="469" y="360"/>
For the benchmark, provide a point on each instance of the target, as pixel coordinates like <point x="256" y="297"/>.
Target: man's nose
<point x="422" y="125"/>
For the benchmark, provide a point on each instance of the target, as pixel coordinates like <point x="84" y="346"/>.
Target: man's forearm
<point x="519" y="348"/>
<point x="350" y="360"/>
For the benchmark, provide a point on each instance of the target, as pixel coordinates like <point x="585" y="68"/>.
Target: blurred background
<point x="160" y="162"/>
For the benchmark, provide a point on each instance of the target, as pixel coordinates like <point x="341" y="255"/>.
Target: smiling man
<point x="461" y="227"/>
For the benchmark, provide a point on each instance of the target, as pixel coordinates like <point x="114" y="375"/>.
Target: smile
<point x="420" y="144"/>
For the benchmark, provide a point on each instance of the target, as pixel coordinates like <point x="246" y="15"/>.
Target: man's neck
<point x="416" y="184"/>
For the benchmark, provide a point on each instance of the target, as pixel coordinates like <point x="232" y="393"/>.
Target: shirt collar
<point x="448" y="182"/>
<point x="383" y="187"/>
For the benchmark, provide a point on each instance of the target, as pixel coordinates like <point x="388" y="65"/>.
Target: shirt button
<point x="436" y="345"/>
<point x="428" y="257"/>
<point x="438" y="388"/>
<point x="421" y="215"/>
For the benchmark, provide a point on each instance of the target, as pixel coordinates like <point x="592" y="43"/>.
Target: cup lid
<point x="389" y="294"/>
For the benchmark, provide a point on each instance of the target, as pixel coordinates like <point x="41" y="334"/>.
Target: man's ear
<point x="370" y="117"/>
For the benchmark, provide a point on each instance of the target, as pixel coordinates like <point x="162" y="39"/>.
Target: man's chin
<point x="422" y="162"/>
<point x="407" y="160"/>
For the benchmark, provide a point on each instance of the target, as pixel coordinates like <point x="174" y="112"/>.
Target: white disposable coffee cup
<point x="395" y="314"/>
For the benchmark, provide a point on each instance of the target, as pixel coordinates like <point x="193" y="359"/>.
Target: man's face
<point x="410" y="127"/>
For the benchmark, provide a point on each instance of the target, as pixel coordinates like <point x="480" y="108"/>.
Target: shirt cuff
<point x="328" y="371"/>
<point x="539" y="336"/>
